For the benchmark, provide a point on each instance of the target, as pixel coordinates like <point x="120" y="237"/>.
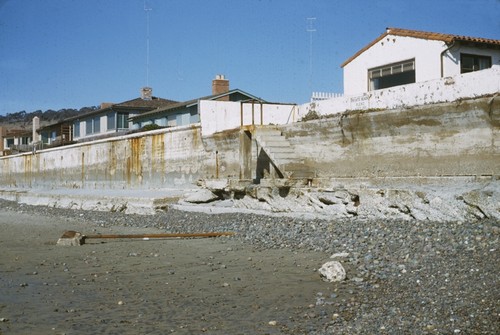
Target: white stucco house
<point x="402" y="56"/>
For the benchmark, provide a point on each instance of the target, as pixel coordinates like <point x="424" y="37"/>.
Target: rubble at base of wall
<point x="439" y="204"/>
<point x="468" y="201"/>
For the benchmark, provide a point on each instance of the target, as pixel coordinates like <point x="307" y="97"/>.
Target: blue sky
<point x="74" y="53"/>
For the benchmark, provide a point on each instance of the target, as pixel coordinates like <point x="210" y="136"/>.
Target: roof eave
<point x="193" y="102"/>
<point x="446" y="38"/>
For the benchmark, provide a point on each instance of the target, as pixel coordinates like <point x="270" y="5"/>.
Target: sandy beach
<point x="181" y="286"/>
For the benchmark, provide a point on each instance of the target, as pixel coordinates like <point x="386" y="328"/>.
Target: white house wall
<point x="448" y="89"/>
<point x="393" y="49"/>
<point x="452" y="59"/>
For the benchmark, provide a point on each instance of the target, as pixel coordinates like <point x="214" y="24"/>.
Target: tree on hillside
<point x="23" y="118"/>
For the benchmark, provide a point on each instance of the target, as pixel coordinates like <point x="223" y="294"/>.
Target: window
<point x="390" y="75"/>
<point x="161" y="122"/>
<point x="122" y="120"/>
<point x="88" y="127"/>
<point x="111" y="121"/>
<point x="171" y="120"/>
<point x="45" y="137"/>
<point x="97" y="125"/>
<point x="76" y="129"/>
<point x="470" y="63"/>
<point x="195" y="117"/>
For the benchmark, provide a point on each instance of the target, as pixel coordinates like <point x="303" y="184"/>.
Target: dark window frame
<point x="393" y="74"/>
<point x="111" y="121"/>
<point x="476" y="62"/>
<point x="122" y="120"/>
<point x="76" y="129"/>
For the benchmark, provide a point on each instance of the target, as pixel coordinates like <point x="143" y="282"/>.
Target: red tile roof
<point x="447" y="38"/>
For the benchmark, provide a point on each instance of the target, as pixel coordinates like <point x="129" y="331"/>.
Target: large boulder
<point x="332" y="271"/>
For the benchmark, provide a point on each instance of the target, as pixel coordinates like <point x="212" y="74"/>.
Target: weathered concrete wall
<point x="164" y="158"/>
<point x="451" y="139"/>
<point x="460" y="138"/>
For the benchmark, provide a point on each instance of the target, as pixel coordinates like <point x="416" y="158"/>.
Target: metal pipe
<point x="216" y="164"/>
<point x="442" y="54"/>
<point x="253" y="115"/>
<point x="160" y="235"/>
<point x="241" y="113"/>
<point x="261" y="115"/>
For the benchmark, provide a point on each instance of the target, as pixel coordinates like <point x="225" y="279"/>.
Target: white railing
<point x="319" y="96"/>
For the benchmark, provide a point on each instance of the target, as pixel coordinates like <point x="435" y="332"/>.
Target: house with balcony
<point x="14" y="140"/>
<point x="55" y="134"/>
<point x="187" y="112"/>
<point x="403" y="56"/>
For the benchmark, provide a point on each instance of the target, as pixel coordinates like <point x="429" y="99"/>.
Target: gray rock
<point x="201" y="196"/>
<point x="332" y="271"/>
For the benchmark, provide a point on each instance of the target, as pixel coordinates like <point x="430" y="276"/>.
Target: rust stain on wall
<point x="112" y="159"/>
<point x="158" y="152"/>
<point x="195" y="134"/>
<point x="27" y="169"/>
<point x="134" y="165"/>
<point x="83" y="169"/>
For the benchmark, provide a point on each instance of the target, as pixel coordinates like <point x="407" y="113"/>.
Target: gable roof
<point x="155" y="102"/>
<point x="138" y="104"/>
<point x="447" y="38"/>
<point x="194" y="102"/>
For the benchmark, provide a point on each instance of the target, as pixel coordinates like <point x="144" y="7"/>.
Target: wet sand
<point x="180" y="286"/>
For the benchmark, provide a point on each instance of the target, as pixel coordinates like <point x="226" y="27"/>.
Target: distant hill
<point x="23" y="120"/>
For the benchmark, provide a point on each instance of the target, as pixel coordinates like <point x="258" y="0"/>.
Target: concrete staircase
<point x="283" y="157"/>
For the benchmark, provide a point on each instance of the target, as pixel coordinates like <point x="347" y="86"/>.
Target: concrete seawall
<point x="166" y="158"/>
<point x="391" y="149"/>
<point x="449" y="139"/>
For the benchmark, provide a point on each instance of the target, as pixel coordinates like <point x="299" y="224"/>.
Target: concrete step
<point x="282" y="154"/>
<point x="277" y="144"/>
<point x="267" y="130"/>
<point x="283" y="150"/>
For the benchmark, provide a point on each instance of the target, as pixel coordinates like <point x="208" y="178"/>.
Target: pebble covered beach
<point x="403" y="277"/>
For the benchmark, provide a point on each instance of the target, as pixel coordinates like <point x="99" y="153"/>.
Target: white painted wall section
<point x="217" y="116"/>
<point x="427" y="54"/>
<point x="393" y="49"/>
<point x="448" y="89"/>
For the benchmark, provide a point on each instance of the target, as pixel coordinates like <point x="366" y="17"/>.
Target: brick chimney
<point x="220" y="85"/>
<point x="146" y="93"/>
<point x="105" y="105"/>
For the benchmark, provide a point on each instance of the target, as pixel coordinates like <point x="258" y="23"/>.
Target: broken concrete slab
<point x="201" y="197"/>
<point x="71" y="238"/>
